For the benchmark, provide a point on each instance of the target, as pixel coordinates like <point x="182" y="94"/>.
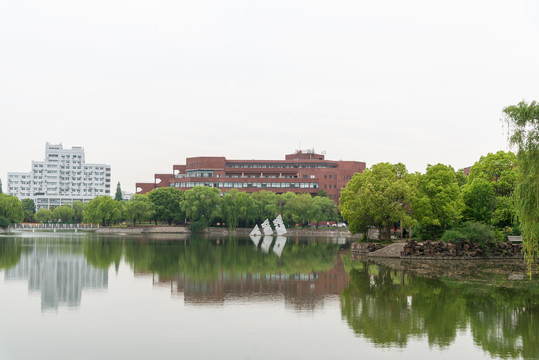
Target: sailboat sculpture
<point x="255" y="235"/>
<point x="279" y="225"/>
<point x="255" y="231"/>
<point x="266" y="227"/>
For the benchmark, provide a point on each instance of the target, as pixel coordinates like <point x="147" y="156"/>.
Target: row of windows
<point x="281" y="166"/>
<point x="191" y="184"/>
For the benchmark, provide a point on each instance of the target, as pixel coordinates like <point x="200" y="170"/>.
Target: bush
<point x="452" y="236"/>
<point x="198" y="226"/>
<point x="4" y="223"/>
<point x="472" y="231"/>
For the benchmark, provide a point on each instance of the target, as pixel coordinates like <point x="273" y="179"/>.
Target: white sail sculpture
<point x="279" y="225"/>
<point x="255" y="231"/>
<point x="278" y="247"/>
<point x="266" y="227"/>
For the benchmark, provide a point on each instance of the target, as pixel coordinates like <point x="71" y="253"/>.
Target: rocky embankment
<point x="363" y="248"/>
<point x="461" y="249"/>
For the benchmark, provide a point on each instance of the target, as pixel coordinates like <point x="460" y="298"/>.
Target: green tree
<point x="438" y="205"/>
<point x="63" y="214"/>
<point x="118" y="195"/>
<point x="167" y="204"/>
<point x="323" y="209"/>
<point x="236" y="207"/>
<point x="379" y="197"/>
<point x="283" y="201"/>
<point x="44" y="215"/>
<point x="104" y="210"/>
<point x="29" y="209"/>
<point x="479" y="200"/>
<point x="266" y="205"/>
<point x="78" y="211"/>
<point x="499" y="169"/>
<point x="299" y="209"/>
<point x="11" y="209"/>
<point x="523" y="121"/>
<point x="139" y="208"/>
<point x="201" y="201"/>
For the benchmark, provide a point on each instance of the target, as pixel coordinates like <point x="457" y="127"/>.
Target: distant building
<point x="126" y="196"/>
<point x="63" y="177"/>
<point x="301" y="172"/>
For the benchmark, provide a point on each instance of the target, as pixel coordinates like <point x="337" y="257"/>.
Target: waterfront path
<point x="390" y="251"/>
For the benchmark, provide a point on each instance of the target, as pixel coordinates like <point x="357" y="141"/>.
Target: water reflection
<point x="209" y="271"/>
<point x="55" y="271"/>
<point x="390" y="307"/>
<point x="390" y="303"/>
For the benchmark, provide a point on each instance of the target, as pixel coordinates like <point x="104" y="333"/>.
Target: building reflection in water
<point x="302" y="291"/>
<point x="59" y="276"/>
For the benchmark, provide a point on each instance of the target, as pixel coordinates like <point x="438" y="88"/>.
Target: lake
<point x="86" y="296"/>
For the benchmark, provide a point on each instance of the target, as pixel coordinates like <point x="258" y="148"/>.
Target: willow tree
<point x="523" y="123"/>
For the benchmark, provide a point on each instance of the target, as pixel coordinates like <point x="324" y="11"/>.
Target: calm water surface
<point x="83" y="296"/>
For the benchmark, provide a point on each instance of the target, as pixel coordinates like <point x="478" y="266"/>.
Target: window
<point x="312" y="176"/>
<point x="237" y="185"/>
<point x="276" y="185"/>
<point x="285" y="185"/>
<point x="304" y="176"/>
<point x="304" y="185"/>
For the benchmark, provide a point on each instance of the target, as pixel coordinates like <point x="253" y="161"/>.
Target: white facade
<point x="63" y="177"/>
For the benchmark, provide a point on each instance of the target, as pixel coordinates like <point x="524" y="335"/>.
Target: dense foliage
<point x="379" y="197"/>
<point x="523" y="121"/>
<point x="11" y="210"/>
<point x="439" y="201"/>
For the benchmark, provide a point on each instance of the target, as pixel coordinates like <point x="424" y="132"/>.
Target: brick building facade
<point x="300" y="172"/>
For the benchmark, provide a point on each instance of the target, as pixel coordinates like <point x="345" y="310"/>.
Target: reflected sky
<point x="227" y="298"/>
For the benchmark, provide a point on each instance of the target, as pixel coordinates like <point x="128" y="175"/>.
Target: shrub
<point x="4" y="223"/>
<point x="198" y="225"/>
<point x="452" y="236"/>
<point x="472" y="231"/>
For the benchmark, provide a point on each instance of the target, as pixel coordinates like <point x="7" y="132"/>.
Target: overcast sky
<point x="141" y="85"/>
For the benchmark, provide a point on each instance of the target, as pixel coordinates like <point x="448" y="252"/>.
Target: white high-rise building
<point x="63" y="177"/>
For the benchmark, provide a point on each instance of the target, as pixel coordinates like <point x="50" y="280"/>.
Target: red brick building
<point x="301" y="172"/>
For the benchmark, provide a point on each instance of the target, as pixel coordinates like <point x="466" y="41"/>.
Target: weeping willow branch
<point x="523" y="126"/>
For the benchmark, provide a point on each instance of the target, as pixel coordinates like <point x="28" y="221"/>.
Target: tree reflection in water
<point x="389" y="308"/>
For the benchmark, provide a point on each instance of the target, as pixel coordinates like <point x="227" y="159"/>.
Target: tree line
<point x="499" y="197"/>
<point x="436" y="204"/>
<point x="200" y="207"/>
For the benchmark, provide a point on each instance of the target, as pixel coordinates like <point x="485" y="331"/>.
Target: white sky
<point x="142" y="85"/>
